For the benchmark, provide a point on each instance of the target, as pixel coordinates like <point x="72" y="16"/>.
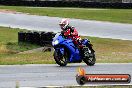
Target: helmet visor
<point x="62" y="25"/>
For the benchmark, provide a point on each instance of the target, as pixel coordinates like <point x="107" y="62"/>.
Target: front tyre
<point x="90" y="60"/>
<point x="60" y="59"/>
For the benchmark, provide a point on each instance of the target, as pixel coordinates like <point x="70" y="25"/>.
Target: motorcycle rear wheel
<point x="61" y="60"/>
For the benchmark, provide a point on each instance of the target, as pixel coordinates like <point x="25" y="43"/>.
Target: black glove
<point x="62" y="32"/>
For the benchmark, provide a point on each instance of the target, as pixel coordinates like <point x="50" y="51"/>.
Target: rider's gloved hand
<point x="62" y="32"/>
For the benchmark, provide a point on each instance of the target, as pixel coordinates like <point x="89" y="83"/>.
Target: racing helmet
<point x="63" y="24"/>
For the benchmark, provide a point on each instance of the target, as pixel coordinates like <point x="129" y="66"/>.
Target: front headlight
<point x="55" y="42"/>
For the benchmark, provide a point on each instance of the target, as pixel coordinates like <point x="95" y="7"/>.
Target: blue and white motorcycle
<point x="67" y="52"/>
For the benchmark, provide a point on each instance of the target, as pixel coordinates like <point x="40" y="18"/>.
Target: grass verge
<point x="112" y="15"/>
<point x="112" y="50"/>
<point x="9" y="41"/>
<point x="107" y="50"/>
<point x="9" y="46"/>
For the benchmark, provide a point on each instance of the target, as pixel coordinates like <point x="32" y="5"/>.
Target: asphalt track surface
<point x="54" y="75"/>
<point x="85" y="27"/>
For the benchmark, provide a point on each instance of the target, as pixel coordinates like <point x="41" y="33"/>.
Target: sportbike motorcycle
<point x="65" y="51"/>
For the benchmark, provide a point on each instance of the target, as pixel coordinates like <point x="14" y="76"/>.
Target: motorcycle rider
<point x="70" y="32"/>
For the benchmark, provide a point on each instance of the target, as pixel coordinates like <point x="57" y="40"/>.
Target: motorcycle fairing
<point x="68" y="43"/>
<point x="73" y="51"/>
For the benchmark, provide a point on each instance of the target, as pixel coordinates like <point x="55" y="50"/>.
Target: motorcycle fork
<point x="60" y="51"/>
<point x="86" y="51"/>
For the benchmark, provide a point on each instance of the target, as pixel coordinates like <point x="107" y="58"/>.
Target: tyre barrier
<point x="38" y="38"/>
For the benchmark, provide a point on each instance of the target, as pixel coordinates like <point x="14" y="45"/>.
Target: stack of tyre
<point x="38" y="38"/>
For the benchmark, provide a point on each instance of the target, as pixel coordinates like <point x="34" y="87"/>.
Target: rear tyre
<point x="61" y="59"/>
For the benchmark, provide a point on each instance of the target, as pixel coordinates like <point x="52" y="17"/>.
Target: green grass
<point x="112" y="15"/>
<point x="107" y="50"/>
<point x="8" y="35"/>
<point x="29" y="58"/>
<point x="10" y="48"/>
<point x="9" y="41"/>
<point x="112" y="50"/>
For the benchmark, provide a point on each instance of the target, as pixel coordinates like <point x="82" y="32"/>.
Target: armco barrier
<point x="66" y="4"/>
<point x="39" y="38"/>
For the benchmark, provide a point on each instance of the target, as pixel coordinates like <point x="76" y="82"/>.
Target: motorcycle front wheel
<point x="90" y="61"/>
<point x="61" y="59"/>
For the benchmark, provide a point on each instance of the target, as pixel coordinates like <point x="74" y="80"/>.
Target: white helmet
<point x="64" y="23"/>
